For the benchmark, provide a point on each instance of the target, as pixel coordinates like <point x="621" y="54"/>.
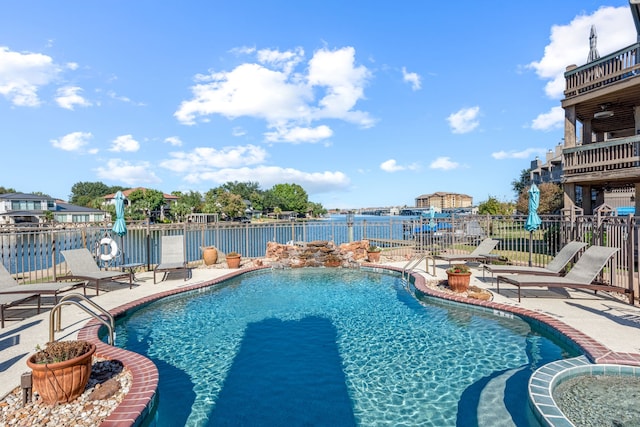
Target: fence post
<point x="631" y="265"/>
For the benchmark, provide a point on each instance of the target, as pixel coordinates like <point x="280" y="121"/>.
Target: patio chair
<point x="172" y="257"/>
<point x="10" y="300"/>
<point x="8" y="285"/>
<point x="480" y="253"/>
<point x="581" y="276"/>
<point x="553" y="268"/>
<point x="83" y="266"/>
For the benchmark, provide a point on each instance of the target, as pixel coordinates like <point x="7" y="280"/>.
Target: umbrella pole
<point x="530" y="243"/>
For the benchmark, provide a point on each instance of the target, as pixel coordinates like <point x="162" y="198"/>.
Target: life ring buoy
<point x="113" y="249"/>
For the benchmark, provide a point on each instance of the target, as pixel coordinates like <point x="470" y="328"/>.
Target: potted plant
<point x="61" y="370"/>
<point x="210" y="255"/>
<point x="373" y="253"/>
<point x="458" y="277"/>
<point x="233" y="260"/>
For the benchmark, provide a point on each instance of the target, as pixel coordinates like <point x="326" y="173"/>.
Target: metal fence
<point x="33" y="255"/>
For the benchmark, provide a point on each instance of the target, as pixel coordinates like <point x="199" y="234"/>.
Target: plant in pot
<point x="373" y="253"/>
<point x="233" y="260"/>
<point x="61" y="370"/>
<point x="458" y="277"/>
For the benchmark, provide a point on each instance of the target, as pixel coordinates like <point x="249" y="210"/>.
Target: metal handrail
<point x="410" y="265"/>
<point x="66" y="300"/>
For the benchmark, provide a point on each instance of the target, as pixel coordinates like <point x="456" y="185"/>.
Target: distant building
<point x="442" y="200"/>
<point x="169" y="200"/>
<point x="30" y="209"/>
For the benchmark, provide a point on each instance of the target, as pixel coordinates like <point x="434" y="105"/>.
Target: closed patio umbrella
<point x="533" y="220"/>
<point x="120" y="226"/>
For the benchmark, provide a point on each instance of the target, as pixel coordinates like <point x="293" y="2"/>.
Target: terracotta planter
<point x="61" y="382"/>
<point x="210" y="255"/>
<point x="233" y="261"/>
<point x="373" y="256"/>
<point x="459" y="282"/>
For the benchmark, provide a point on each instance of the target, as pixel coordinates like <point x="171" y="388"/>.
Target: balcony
<point x="614" y="161"/>
<point x="605" y="71"/>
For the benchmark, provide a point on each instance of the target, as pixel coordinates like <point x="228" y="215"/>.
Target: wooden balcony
<point x="613" y="161"/>
<point x="605" y="71"/>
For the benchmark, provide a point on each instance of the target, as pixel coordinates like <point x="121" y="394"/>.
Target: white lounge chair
<point x="172" y="257"/>
<point x="83" y="266"/>
<point x="553" y="268"/>
<point x="581" y="275"/>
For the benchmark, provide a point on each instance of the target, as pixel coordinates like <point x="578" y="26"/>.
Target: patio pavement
<point x="608" y="320"/>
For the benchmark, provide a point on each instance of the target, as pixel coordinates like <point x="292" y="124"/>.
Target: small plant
<point x="60" y="351"/>
<point x="459" y="268"/>
<point x="233" y="254"/>
<point x="374" y="248"/>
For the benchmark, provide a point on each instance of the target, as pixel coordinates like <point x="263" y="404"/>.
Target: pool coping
<point x="141" y="398"/>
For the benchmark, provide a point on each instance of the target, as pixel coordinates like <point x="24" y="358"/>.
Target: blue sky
<point x="362" y="103"/>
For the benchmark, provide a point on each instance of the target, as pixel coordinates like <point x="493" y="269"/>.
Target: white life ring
<point x="113" y="249"/>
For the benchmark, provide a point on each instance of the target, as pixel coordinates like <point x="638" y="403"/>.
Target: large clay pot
<point x="210" y="255"/>
<point x="233" y="261"/>
<point x="458" y="282"/>
<point x="61" y="382"/>
<point x="373" y="256"/>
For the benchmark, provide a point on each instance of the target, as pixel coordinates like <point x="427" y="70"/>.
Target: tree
<point x="7" y="190"/>
<point x="145" y="201"/>
<point x="290" y="197"/>
<point x="83" y="193"/>
<point x="522" y="182"/>
<point x="316" y="209"/>
<point x="493" y="206"/>
<point x="551" y="199"/>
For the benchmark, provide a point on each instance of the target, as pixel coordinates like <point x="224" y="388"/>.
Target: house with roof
<point x="34" y="209"/>
<point x="169" y="200"/>
<point x="601" y="105"/>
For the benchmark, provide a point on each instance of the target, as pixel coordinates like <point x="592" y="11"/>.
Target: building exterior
<point x="601" y="152"/>
<point x="441" y="200"/>
<point x="162" y="213"/>
<point x="30" y="209"/>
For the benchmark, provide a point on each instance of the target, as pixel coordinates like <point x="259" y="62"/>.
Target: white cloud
<point x="133" y="175"/>
<point x="412" y="78"/>
<point x="569" y="44"/>
<point x="464" y="120"/>
<point x="297" y="135"/>
<point x="125" y="143"/>
<point x="524" y="154"/>
<point x="69" y="96"/>
<point x="73" y="141"/>
<point x="268" y="176"/>
<point x="392" y="165"/>
<point x="238" y="131"/>
<point x="208" y="158"/>
<point x="173" y="140"/>
<point x="328" y="88"/>
<point x="23" y="74"/>
<point x="444" y="163"/>
<point x="554" y="119"/>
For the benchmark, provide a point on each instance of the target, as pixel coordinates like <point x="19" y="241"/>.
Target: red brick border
<point x="140" y="399"/>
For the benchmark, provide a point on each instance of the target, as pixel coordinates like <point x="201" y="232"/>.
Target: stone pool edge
<point x="140" y="400"/>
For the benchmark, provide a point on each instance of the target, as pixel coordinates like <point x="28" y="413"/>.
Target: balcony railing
<point x="606" y="70"/>
<point x="616" y="158"/>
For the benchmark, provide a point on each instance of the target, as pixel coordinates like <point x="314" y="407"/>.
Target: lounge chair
<point x="553" y="268"/>
<point x="480" y="253"/>
<point x="581" y="276"/>
<point x="83" y="266"/>
<point x="10" y="300"/>
<point x="172" y="257"/>
<point x="12" y="293"/>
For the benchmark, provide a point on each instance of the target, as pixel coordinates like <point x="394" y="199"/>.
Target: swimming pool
<point x="334" y="347"/>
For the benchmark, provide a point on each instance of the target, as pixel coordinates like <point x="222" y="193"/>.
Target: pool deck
<point x="608" y="328"/>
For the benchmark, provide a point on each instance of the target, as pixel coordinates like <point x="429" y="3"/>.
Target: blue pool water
<point x="334" y="347"/>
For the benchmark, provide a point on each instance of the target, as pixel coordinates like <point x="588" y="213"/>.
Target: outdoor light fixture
<point x="604" y="113"/>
